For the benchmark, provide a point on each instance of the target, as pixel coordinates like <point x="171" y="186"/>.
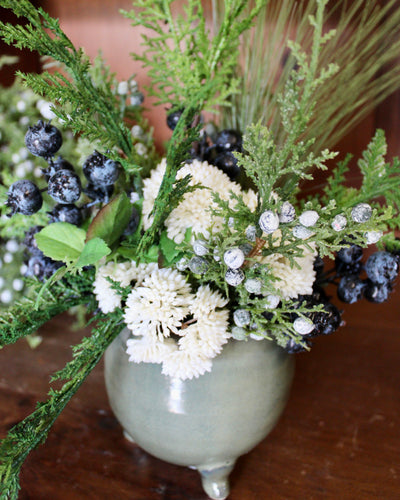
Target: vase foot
<point x="128" y="437"/>
<point x="215" y="479"/>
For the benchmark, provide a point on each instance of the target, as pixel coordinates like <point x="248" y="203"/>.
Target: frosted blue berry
<point x="229" y="140"/>
<point x="241" y="317"/>
<point x="234" y="258"/>
<point x="66" y="213"/>
<point x="234" y="277"/>
<point x="382" y="267"/>
<point x="198" y="265"/>
<point x="24" y="197"/>
<point x="43" y="139"/>
<point x="268" y="221"/>
<point x="350" y="289"/>
<point x="287" y="213"/>
<point x="361" y="212"/>
<point x="377" y="293"/>
<point x="65" y="187"/>
<point x="100" y="170"/>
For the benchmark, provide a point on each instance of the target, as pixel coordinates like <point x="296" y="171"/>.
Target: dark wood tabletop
<point x="338" y="437"/>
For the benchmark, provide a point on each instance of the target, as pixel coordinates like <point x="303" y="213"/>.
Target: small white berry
<point x="21" y="106"/>
<point x="268" y="221"/>
<point x="309" y="218"/>
<point x="217" y="257"/>
<point x="18" y="284"/>
<point x="302" y="232"/>
<point x="253" y="285"/>
<point x="200" y="247"/>
<point x="234" y="277"/>
<point x="6" y="296"/>
<point x="1" y="281"/>
<point x="182" y="264"/>
<point x="234" y="258"/>
<point x="373" y="237"/>
<point x="141" y="149"/>
<point x="8" y="257"/>
<point x="241" y="317"/>
<point x="137" y="131"/>
<point x="303" y="326"/>
<point x="198" y="265"/>
<point x="361" y="212"/>
<point x="12" y="246"/>
<point x="238" y="333"/>
<point x="122" y="88"/>
<point x="339" y="222"/>
<point x="272" y="301"/>
<point x="287" y="213"/>
<point x="134" y="197"/>
<point x="251" y="233"/>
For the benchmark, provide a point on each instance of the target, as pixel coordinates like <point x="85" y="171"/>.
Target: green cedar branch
<point x="33" y="430"/>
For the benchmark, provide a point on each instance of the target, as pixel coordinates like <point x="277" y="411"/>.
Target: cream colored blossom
<point x="173" y="326"/>
<point x="194" y="209"/>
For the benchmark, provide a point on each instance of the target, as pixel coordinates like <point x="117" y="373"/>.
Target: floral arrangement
<point x="212" y="240"/>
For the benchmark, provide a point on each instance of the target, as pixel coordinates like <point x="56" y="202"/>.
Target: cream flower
<point x="173" y="326"/>
<point x="194" y="209"/>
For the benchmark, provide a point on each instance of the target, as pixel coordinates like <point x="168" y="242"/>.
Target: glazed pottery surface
<point x="208" y="422"/>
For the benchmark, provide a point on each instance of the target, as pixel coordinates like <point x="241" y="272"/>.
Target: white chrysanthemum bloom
<point x="124" y="273"/>
<point x="194" y="209"/>
<point x="162" y="306"/>
<point x="292" y="281"/>
<point x="159" y="304"/>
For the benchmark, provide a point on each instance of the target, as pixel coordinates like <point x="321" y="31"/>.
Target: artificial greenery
<point x="289" y="116"/>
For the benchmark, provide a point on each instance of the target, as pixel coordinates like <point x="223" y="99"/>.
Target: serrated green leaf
<point x="61" y="241"/>
<point x="111" y="221"/>
<point x="92" y="252"/>
<point x="168" y="248"/>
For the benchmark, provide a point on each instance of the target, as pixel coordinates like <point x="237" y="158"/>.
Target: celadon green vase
<point x="204" y="423"/>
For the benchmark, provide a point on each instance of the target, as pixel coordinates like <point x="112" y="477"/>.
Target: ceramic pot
<point x="204" y="423"/>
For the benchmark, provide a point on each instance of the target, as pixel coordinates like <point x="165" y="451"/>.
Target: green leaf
<point x="169" y="248"/>
<point x="61" y="241"/>
<point x="92" y="252"/>
<point x="111" y="221"/>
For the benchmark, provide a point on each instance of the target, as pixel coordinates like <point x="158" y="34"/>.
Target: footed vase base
<point x="215" y="480"/>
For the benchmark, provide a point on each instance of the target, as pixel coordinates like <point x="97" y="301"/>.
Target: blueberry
<point x="42" y="267"/>
<point x="377" y="293"/>
<point x="133" y="223"/>
<point x="43" y="139"/>
<point x="30" y="241"/>
<point x="66" y="213"/>
<point x="100" y="170"/>
<point x="352" y="268"/>
<point x="292" y="347"/>
<point x="382" y="267"/>
<point x="24" y="197"/>
<point x="350" y="289"/>
<point x="228" y="164"/>
<point x="350" y="254"/>
<point x="55" y="165"/>
<point x="173" y="118"/>
<point x="99" y="193"/>
<point x="328" y="321"/>
<point x="229" y="140"/>
<point x="64" y="187"/>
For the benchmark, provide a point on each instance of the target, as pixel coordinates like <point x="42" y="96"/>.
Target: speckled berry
<point x="241" y="317"/>
<point x="361" y="212"/>
<point x="350" y="289"/>
<point x="198" y="265"/>
<point x="382" y="267"/>
<point x="228" y="140"/>
<point x="234" y="277"/>
<point x="339" y="222"/>
<point x="234" y="258"/>
<point x="269" y="221"/>
<point x="377" y="293"/>
<point x="287" y="213"/>
<point x="251" y="233"/>
<point x="24" y="197"/>
<point x="43" y="139"/>
<point x="100" y="170"/>
<point x="64" y="187"/>
<point x="253" y="285"/>
<point x="66" y="213"/>
<point x="309" y="218"/>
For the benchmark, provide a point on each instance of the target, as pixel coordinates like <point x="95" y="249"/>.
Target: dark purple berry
<point x="43" y="139"/>
<point x="100" y="170"/>
<point x="350" y="254"/>
<point x="55" y="166"/>
<point x="328" y="321"/>
<point x="345" y="269"/>
<point x="382" y="267"/>
<point x="173" y="118"/>
<point x="65" y="187"/>
<point x="66" y="213"/>
<point x="229" y="140"/>
<point x="30" y="240"/>
<point x="42" y="267"/>
<point x="133" y="223"/>
<point x="350" y="289"/>
<point x="99" y="193"/>
<point x="228" y="164"/>
<point x="24" y="197"/>
<point x="377" y="293"/>
<point x="293" y="347"/>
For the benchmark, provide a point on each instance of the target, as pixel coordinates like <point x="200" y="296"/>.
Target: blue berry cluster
<point x="64" y="186"/>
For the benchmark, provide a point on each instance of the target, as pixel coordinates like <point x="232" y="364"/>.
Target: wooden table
<point x="337" y="439"/>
